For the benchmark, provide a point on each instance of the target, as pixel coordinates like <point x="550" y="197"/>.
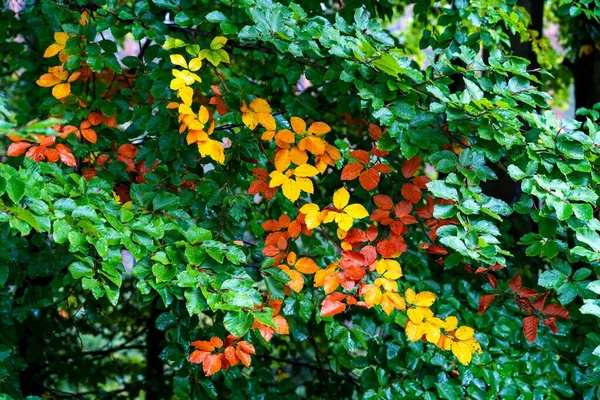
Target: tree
<point x="261" y="199"/>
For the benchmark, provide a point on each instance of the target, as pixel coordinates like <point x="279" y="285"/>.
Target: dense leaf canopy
<point x="252" y="199"/>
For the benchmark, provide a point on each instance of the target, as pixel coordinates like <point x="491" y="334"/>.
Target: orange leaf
<point x="203" y="345"/>
<point x="332" y="305"/>
<point x="411" y="192"/>
<point x="230" y="355"/>
<point x="243" y="356"/>
<point x="351" y="171"/>
<point x="403" y="209"/>
<point x="530" y="327"/>
<point x="198" y="356"/>
<point x="361" y="156"/>
<point x="89" y="135"/>
<point x="215" y="341"/>
<point x="282" y="325"/>
<point x="95" y="118"/>
<point x="484" y="302"/>
<point x="369" y="179"/>
<point x="52" y="155"/>
<point x="17" y="148"/>
<point x="128" y="150"/>
<point x="211" y="364"/>
<point x="66" y="156"/>
<point x="411" y="166"/>
<point x="247" y="347"/>
<point x="36" y="153"/>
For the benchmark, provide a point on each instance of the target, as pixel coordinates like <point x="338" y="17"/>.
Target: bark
<point x="155" y="381"/>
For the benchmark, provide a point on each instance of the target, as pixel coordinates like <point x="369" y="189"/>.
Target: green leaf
<point x="15" y="188"/>
<point x="197" y="234"/>
<point x="237" y="323"/>
<point x="80" y="269"/>
<point x="551" y="279"/>
<point x="388" y="64"/>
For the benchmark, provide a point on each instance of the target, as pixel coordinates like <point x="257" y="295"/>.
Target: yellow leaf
<point x="387" y="304"/>
<point x="61" y="90"/>
<point x="341" y="197"/>
<point x="48" y="80"/>
<point x="387" y="284"/>
<point x="179" y="60"/>
<point x="305" y="170"/>
<point x="260" y="106"/>
<point x="309" y="208"/>
<point x="195" y="64"/>
<point x="305" y="185"/>
<point x="203" y="115"/>
<point x="315" y="145"/>
<point x="277" y="179"/>
<point x="432" y="332"/>
<point x="424" y="299"/>
<point x="291" y="189"/>
<point x="356" y="211"/>
<point x="267" y="121"/>
<point x="53" y="50"/>
<point x="224" y="56"/>
<point x="373" y="295"/>
<point x="344" y="221"/>
<point x="61" y="38"/>
<point x="298" y="125"/>
<point x="218" y="42"/>
<point x="250" y="120"/>
<point x="212" y="148"/>
<point x="319" y="128"/>
<point x="450" y="323"/>
<point x="414" y="332"/>
<point x="464" y="333"/>
<point x="397" y="300"/>
<point x="463" y="352"/>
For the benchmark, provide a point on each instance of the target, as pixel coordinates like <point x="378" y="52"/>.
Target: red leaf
<point x="421" y="182"/>
<point x="403" y="209"/>
<point x="331" y="305"/>
<point x="370" y="254"/>
<point x="383" y="201"/>
<point x="538" y="304"/>
<point x="527" y="292"/>
<point x="17" y="148"/>
<point x="382" y="168"/>
<point x="515" y="283"/>
<point x="484" y="302"/>
<point x="372" y="233"/>
<point x="411" y="192"/>
<point x="437" y="249"/>
<point x="36" y="153"/>
<point x="361" y="156"/>
<point x="411" y="166"/>
<point x="374" y="132"/>
<point x="530" y="327"/>
<point x="369" y="179"/>
<point x="351" y="257"/>
<point x="352" y="171"/>
<point x="554" y="310"/>
<point x="551" y="323"/>
<point x="492" y="279"/>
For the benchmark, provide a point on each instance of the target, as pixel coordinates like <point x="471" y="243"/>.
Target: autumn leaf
<point x="530" y="327"/>
<point x="484" y="302"/>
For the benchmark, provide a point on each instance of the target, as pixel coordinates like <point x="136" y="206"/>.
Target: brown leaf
<point x="530" y="327"/>
<point x="515" y="283"/>
<point x="484" y="302"/>
<point x="554" y="310"/>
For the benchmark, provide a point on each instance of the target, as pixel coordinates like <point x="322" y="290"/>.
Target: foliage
<point x="270" y="199"/>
